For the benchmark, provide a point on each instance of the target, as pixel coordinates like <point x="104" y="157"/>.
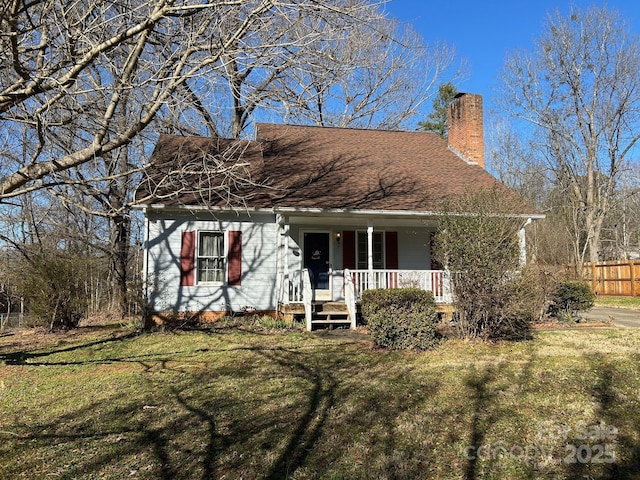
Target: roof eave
<point x="311" y="211"/>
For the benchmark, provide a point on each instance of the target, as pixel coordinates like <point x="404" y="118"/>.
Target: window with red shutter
<point x="211" y="260"/>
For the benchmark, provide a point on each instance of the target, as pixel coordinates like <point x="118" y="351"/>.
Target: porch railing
<point x="435" y="281"/>
<point x="293" y="286"/>
<point x="296" y="288"/>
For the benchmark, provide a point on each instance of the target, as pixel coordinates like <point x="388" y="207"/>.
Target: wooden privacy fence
<point x="621" y="277"/>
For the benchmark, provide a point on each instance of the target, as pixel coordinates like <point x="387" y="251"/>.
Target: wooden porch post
<point x="282" y="260"/>
<point x="370" y="253"/>
<point x="285" y="255"/>
<point x="522" y="240"/>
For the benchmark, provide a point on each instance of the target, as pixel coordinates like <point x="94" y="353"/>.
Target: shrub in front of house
<point x="56" y="281"/>
<point x="403" y="318"/>
<point x="569" y="298"/>
<point x="478" y="239"/>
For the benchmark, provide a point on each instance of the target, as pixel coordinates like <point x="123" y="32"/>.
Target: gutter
<point x="312" y="211"/>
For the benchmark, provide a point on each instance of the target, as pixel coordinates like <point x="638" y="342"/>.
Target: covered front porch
<point x="327" y="259"/>
<point x="299" y="297"/>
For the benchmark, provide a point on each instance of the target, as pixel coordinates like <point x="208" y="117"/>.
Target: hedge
<point x="403" y="318"/>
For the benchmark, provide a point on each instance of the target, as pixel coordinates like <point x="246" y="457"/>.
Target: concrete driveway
<point x="622" y="317"/>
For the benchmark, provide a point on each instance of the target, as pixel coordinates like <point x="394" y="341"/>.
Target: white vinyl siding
<point x="259" y="242"/>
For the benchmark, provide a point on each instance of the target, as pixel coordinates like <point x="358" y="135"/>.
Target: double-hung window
<point x="211" y="257"/>
<point x="363" y="250"/>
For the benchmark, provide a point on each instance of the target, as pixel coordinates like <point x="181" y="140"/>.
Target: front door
<point x="317" y="259"/>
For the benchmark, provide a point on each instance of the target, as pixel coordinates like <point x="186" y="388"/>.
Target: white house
<point x="304" y="216"/>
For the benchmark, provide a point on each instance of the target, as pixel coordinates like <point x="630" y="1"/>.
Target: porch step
<point x="330" y="322"/>
<point x="330" y="317"/>
<point x="334" y="307"/>
<point x="330" y="314"/>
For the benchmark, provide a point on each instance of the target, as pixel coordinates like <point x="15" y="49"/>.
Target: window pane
<point x="210" y="270"/>
<point x="210" y="244"/>
<point x="362" y="250"/>
<point x="211" y="257"/>
<point x="378" y="256"/>
<point x="378" y="250"/>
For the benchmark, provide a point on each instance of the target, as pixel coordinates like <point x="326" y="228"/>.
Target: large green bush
<point x="402" y="318"/>
<point x="569" y="298"/>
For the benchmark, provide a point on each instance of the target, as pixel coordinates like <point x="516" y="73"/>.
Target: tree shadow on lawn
<point x="205" y="423"/>
<point x="23" y="357"/>
<point x="188" y="411"/>
<point x="483" y="401"/>
<point x="320" y="433"/>
<point x="199" y="423"/>
<point x="611" y="445"/>
<point x="278" y="412"/>
<point x="485" y="387"/>
<point x="305" y="428"/>
<point x="573" y="457"/>
<point x="309" y="426"/>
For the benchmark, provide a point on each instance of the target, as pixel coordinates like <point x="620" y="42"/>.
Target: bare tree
<point x="81" y="81"/>
<point x="621" y="230"/>
<point x="377" y="75"/>
<point x="579" y="89"/>
<point x="67" y="68"/>
<point x="514" y="161"/>
<point x="327" y="70"/>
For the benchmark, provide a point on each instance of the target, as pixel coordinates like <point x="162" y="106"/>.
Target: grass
<point x="621" y="302"/>
<point x="234" y="403"/>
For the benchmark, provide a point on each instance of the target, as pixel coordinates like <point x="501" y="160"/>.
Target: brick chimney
<point x="466" y="131"/>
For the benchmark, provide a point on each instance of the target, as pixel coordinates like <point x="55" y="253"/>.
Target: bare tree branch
<point x="156" y="49"/>
<point x="580" y="88"/>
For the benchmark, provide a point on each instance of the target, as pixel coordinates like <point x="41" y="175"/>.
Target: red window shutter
<point x="391" y="249"/>
<point x="187" y="258"/>
<point x="234" y="258"/>
<point x="349" y="249"/>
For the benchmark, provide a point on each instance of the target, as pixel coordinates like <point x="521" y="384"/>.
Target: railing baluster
<point x="434" y="281"/>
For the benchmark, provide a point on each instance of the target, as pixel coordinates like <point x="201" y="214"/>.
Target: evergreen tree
<point x="437" y="120"/>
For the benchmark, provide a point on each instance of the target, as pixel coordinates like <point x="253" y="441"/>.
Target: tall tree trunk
<point x="120" y="225"/>
<point x="119" y="261"/>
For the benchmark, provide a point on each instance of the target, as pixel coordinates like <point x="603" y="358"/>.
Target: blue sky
<point x="484" y="31"/>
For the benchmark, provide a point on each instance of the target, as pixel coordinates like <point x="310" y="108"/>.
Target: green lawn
<point x="622" y="302"/>
<point x="230" y="403"/>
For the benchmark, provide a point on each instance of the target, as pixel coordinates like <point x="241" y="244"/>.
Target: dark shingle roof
<point x="312" y="167"/>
